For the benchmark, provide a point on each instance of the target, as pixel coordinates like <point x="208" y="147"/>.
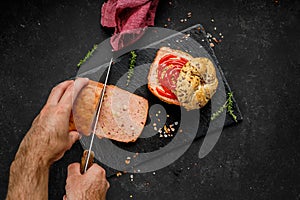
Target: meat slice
<point x="122" y="117"/>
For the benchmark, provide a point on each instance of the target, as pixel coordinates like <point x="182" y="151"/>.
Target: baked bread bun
<point x="177" y="78"/>
<point x="123" y="114"/>
<point x="196" y="83"/>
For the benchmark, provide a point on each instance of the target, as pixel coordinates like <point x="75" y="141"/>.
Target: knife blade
<point x="87" y="158"/>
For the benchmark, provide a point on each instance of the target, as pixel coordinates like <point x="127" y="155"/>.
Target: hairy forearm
<point x="29" y="175"/>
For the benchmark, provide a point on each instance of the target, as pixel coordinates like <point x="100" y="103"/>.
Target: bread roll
<point x="196" y="84"/>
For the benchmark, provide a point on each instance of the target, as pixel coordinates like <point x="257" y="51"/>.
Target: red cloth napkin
<point x="127" y="17"/>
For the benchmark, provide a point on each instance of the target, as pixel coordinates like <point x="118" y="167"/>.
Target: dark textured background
<point x="41" y="42"/>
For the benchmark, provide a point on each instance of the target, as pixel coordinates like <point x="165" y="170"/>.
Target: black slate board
<point x="146" y="55"/>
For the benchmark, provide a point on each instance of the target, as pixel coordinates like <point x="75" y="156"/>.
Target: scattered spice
<point x="214" y="39"/>
<point x="131" y="66"/>
<point x="136" y="154"/>
<point x="127" y="161"/>
<point x="119" y="174"/>
<point x="166" y="129"/>
<point x="131" y="177"/>
<point x="87" y="56"/>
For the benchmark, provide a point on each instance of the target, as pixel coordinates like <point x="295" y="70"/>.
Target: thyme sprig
<point x="87" y="56"/>
<point x="132" y="62"/>
<point x="227" y="105"/>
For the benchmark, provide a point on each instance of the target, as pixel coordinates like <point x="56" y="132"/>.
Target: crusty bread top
<point x="153" y="82"/>
<point x="197" y="83"/>
<point x="122" y="117"/>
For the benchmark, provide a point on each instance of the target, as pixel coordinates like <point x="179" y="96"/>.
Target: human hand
<point x="49" y="136"/>
<point x="92" y="185"/>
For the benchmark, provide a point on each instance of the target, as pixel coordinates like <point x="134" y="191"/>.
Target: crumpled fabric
<point x="127" y="17"/>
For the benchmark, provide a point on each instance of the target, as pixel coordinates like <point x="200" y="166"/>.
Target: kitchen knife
<point x="88" y="155"/>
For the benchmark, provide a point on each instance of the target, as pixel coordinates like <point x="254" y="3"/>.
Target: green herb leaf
<point x="87" y="56"/>
<point x="132" y="62"/>
<point x="228" y="105"/>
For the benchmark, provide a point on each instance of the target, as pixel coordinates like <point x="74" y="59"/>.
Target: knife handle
<point x="84" y="160"/>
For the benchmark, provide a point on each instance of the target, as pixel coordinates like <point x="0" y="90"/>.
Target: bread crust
<point x="196" y="83"/>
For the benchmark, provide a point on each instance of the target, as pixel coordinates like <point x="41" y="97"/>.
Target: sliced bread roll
<point x="153" y="82"/>
<point x="122" y="117"/>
